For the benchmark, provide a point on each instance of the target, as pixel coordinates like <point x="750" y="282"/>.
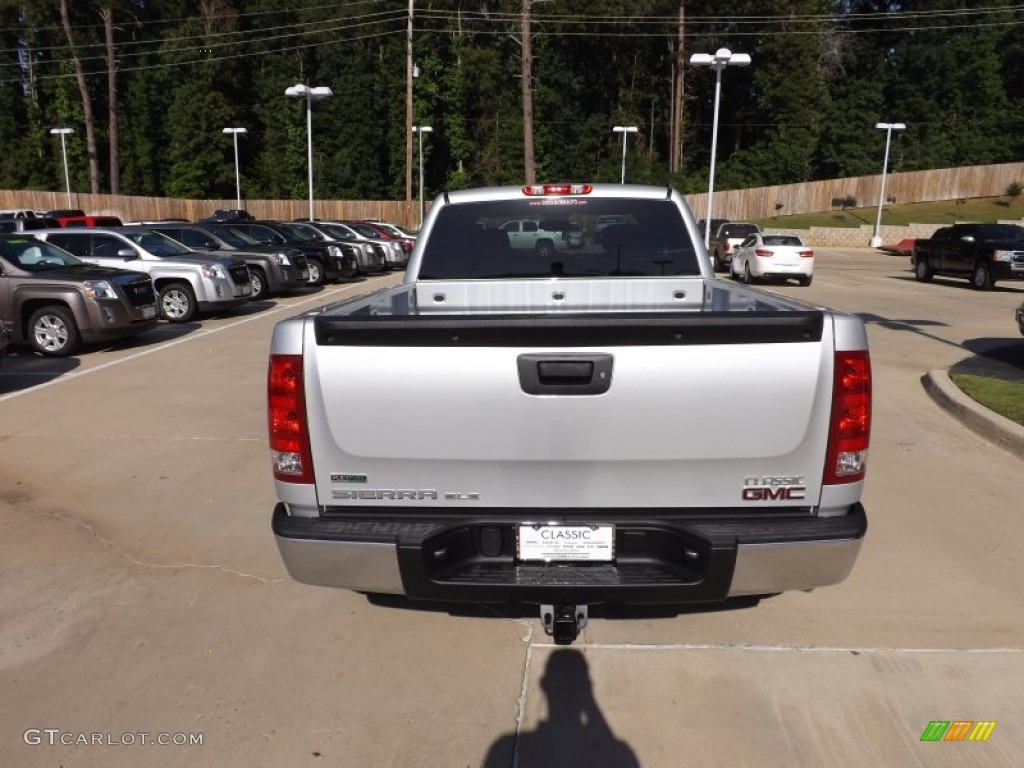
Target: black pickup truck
<point x="982" y="253"/>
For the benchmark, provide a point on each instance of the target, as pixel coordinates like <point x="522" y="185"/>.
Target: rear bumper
<point x="658" y="560"/>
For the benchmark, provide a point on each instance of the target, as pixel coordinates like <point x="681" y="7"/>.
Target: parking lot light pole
<point x="420" y="130"/>
<point x="238" y="178"/>
<point x="301" y="91"/>
<point x="722" y="58"/>
<point x="62" y="132"/>
<point x="625" y="130"/>
<point x="876" y="239"/>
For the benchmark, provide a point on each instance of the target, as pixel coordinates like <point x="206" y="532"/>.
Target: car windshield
<point x="336" y="231"/>
<point x="622" y="237"/>
<point x="364" y="229"/>
<point x="1010" y="232"/>
<point x="156" y="243"/>
<point x="393" y="231"/>
<point x="300" y="233"/>
<point x="232" y="236"/>
<point x="738" y="230"/>
<point x="781" y="240"/>
<point x="35" y="255"/>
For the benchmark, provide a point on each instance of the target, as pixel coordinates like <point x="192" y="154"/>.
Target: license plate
<point x="245" y="290"/>
<point x="148" y="312"/>
<point x="562" y="543"/>
<point x="304" y="275"/>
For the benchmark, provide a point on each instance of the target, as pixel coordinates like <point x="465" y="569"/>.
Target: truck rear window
<point x="598" y="237"/>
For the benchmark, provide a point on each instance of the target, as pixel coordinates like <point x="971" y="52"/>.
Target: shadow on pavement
<point x="23" y="369"/>
<point x="575" y="732"/>
<point x="997" y="358"/>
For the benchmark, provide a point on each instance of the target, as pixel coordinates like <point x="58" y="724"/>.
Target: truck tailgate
<point x="493" y="412"/>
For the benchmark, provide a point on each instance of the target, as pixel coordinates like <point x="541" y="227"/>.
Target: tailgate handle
<point x="565" y="371"/>
<point x="565" y="374"/>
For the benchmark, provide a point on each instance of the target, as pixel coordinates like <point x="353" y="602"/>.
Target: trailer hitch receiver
<point x="563" y="621"/>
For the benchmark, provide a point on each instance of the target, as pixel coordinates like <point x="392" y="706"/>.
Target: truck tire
<point x="260" y="289"/>
<point x="177" y="302"/>
<point x="52" y="331"/>
<point x="544" y="248"/>
<point x="922" y="272"/>
<point x="981" y="277"/>
<point x="316" y="271"/>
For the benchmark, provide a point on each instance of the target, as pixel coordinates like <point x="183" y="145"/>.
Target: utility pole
<point x="408" y="118"/>
<point x="529" y="164"/>
<point x="676" y="153"/>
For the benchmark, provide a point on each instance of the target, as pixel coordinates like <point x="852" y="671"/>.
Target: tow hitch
<point x="563" y="621"/>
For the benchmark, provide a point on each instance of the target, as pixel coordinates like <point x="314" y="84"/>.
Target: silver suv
<point x="186" y="282"/>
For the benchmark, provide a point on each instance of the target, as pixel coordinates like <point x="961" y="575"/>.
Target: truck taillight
<point x="850" y="427"/>
<point x="286" y="419"/>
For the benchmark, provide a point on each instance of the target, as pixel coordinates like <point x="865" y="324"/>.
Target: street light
<point x="421" y="129"/>
<point x="722" y="58"/>
<point x="64" y="153"/>
<point x="876" y="240"/>
<point x="238" y="179"/>
<point x="301" y="91"/>
<point x="624" y="130"/>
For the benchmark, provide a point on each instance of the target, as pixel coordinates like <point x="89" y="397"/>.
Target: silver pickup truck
<point x="574" y="428"/>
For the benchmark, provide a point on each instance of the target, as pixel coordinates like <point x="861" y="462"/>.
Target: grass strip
<point x="1004" y="397"/>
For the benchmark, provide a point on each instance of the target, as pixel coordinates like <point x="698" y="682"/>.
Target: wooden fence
<point x="761" y="202"/>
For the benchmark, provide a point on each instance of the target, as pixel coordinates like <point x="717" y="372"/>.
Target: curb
<point x="998" y="429"/>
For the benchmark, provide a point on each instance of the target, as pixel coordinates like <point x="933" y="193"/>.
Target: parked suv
<point x="273" y="269"/>
<point x="55" y="302"/>
<point x="370" y="257"/>
<point x="187" y="282"/>
<point x="727" y="237"/>
<point x="543" y="236"/>
<point x="327" y="261"/>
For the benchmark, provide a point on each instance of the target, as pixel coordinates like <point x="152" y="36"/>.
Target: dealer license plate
<point x="566" y="543"/>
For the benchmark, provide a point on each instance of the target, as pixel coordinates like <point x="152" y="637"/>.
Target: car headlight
<point x="281" y="259"/>
<point x="213" y="270"/>
<point x="335" y="251"/>
<point x="367" y="249"/>
<point x="99" y="289"/>
<point x="1002" y="255"/>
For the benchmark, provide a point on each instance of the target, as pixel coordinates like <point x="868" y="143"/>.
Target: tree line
<point x="514" y="90"/>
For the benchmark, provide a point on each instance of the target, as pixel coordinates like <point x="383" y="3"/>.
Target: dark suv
<point x="326" y="261"/>
<point x="273" y="269"/>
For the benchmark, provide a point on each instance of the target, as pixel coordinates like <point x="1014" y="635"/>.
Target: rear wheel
<point x="748" y="278"/>
<point x="177" y="302"/>
<point x="53" y="331"/>
<point x="981" y="277"/>
<point x="922" y="270"/>
<point x="805" y="280"/>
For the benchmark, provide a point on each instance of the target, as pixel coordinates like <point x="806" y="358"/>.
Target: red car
<point x="391" y="232"/>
